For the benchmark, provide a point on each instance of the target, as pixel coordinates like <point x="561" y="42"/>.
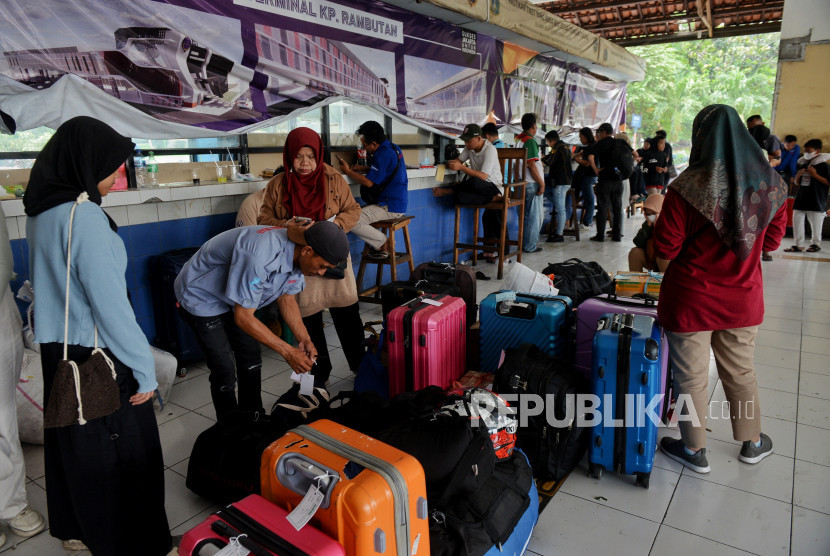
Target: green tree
<point x="682" y="78"/>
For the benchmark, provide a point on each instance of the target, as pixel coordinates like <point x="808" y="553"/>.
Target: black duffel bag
<point x="553" y="451"/>
<point x="224" y="463"/>
<point x="580" y="280"/>
<point x="472" y="524"/>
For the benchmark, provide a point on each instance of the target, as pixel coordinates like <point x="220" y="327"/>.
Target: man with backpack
<point x="613" y="162"/>
<point x="558" y="184"/>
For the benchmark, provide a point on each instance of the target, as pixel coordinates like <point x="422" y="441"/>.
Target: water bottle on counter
<point x="152" y="170"/>
<point x="140" y="168"/>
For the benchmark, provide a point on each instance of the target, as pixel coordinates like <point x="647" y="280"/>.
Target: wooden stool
<point x="632" y="208"/>
<point x="389" y="227"/>
<point x="572" y="224"/>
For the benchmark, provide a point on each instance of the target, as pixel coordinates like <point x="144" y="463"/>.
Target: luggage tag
<point x="431" y="302"/>
<point x="306" y="509"/>
<point x="233" y="549"/>
<point x="306" y="381"/>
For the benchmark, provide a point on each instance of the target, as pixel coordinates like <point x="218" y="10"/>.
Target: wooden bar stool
<point x="389" y="227"/>
<point x="513" y="160"/>
<point x="572" y="224"/>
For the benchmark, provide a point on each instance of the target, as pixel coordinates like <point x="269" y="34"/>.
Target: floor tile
<point x="562" y="529"/>
<point x="181" y="467"/>
<point x="194" y="369"/>
<point x="42" y="544"/>
<point x="774" y="338"/>
<point x="621" y="493"/>
<point x="33" y="458"/>
<point x="814" y="411"/>
<point x="777" y="357"/>
<point x="180" y="503"/>
<point x="811" y="488"/>
<point x="812" y="444"/>
<point x="774" y="403"/>
<point x="730" y="516"/>
<point x="811" y="533"/>
<point x="171" y="411"/>
<point x="818" y="304"/>
<point x="343" y="385"/>
<point x="777" y="378"/>
<point x="192" y="393"/>
<point x="813" y="344"/>
<point x="772" y="478"/>
<point x="815" y="363"/>
<point x="339" y="364"/>
<point x="183" y="528"/>
<point x="279" y="384"/>
<point x="780" y="431"/>
<point x="814" y="315"/>
<point x="783" y="312"/>
<point x="177" y="436"/>
<point x="817" y="329"/>
<point x="272" y="367"/>
<point x="781" y="325"/>
<point x="680" y="543"/>
<point x="814" y="385"/>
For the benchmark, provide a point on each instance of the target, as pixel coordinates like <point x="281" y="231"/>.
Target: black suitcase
<point x="172" y="333"/>
<point x="464" y="277"/>
<point x="553" y="451"/>
<point x="395" y="294"/>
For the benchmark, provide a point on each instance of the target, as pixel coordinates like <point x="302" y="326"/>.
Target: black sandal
<point x="793" y="249"/>
<point x="813" y="248"/>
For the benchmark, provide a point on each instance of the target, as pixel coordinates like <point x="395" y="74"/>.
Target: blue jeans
<point x="560" y="213"/>
<point x="533" y="217"/>
<point x="588" y="201"/>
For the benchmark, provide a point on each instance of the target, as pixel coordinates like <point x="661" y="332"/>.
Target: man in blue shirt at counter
<point x="387" y="183"/>
<point x="234" y="274"/>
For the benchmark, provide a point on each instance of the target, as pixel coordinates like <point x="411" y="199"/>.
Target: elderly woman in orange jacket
<point x="311" y="189"/>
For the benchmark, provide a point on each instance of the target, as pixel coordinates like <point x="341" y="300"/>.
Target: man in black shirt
<point x="670" y="160"/>
<point x="813" y="180"/>
<point x="558" y="182"/>
<point x="609" y="185"/>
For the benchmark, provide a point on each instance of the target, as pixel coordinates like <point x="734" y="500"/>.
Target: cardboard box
<point x="630" y="283"/>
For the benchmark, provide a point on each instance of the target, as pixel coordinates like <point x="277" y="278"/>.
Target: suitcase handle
<point x="298" y="474"/>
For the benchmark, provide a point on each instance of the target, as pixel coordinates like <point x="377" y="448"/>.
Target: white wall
<point x="802" y="15"/>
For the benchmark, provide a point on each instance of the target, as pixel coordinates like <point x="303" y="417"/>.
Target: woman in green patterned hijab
<point x="729" y="179"/>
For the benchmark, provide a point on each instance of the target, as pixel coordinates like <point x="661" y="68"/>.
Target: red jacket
<point x="709" y="287"/>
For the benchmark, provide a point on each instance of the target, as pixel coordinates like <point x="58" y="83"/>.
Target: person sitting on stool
<point x="642" y="257"/>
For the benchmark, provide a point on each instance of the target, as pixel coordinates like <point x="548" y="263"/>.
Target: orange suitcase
<point x="374" y="494"/>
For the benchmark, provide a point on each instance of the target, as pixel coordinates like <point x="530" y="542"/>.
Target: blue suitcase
<point x="510" y="319"/>
<point x="626" y="361"/>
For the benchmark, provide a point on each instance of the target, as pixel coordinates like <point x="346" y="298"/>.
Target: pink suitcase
<point x="264" y="523"/>
<point x="427" y="343"/>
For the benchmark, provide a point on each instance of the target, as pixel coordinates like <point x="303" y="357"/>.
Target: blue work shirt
<point x="251" y="266"/>
<point x="383" y="164"/>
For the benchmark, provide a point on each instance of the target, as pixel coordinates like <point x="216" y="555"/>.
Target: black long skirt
<point x="105" y="479"/>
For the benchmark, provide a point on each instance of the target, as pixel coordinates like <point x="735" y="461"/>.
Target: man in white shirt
<point x="482" y="182"/>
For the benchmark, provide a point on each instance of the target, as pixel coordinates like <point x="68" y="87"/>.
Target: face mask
<point x="810" y="156"/>
<point x="651" y="218"/>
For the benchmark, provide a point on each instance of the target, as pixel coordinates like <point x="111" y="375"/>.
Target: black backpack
<point x="579" y="280"/>
<point x="623" y="158"/>
<point x="553" y="451"/>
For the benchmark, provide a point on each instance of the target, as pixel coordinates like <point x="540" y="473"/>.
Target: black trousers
<point x="231" y="355"/>
<point x="476" y="191"/>
<point x="349" y="327"/>
<point x="609" y="195"/>
<point x="105" y="479"/>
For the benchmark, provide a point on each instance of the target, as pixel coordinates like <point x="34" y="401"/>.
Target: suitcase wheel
<point x="182" y="371"/>
<point x="643" y="479"/>
<point x="595" y="470"/>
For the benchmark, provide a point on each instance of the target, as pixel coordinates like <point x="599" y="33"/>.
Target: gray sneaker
<point x="753" y="454"/>
<point x="676" y="450"/>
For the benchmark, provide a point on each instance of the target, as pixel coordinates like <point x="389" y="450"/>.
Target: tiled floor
<point x="781" y="506"/>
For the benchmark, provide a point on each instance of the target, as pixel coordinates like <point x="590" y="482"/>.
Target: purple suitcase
<point x="587" y="316"/>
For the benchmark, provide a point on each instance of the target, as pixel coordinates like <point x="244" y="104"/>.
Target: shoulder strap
<point x="392" y="175"/>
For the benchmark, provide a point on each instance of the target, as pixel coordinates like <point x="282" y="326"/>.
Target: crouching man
<point x="234" y="274"/>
